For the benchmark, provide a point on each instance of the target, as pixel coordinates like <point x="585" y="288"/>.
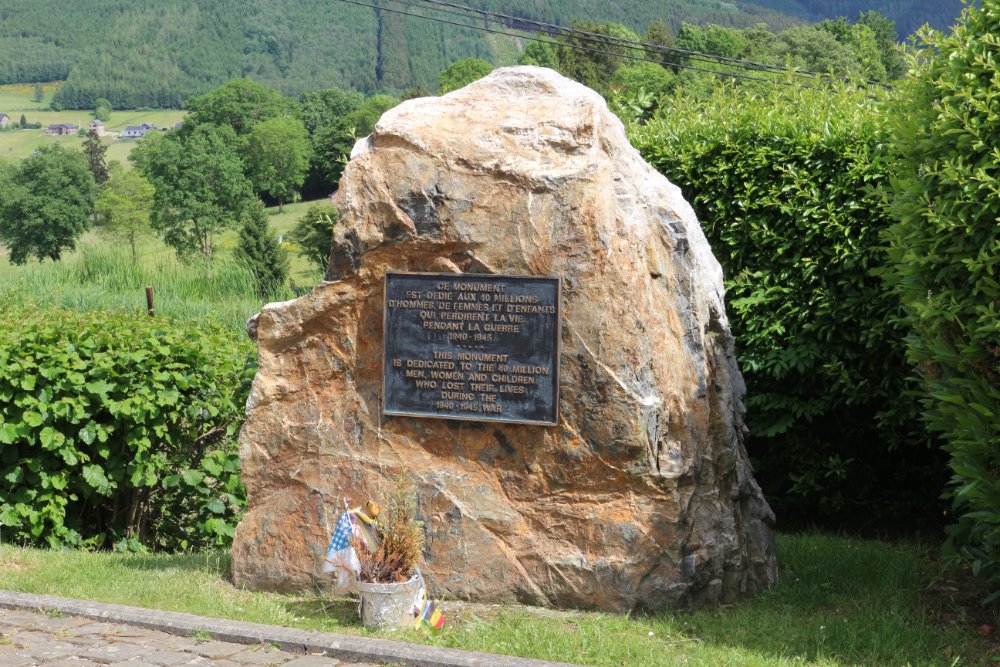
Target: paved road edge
<point x="342" y="647"/>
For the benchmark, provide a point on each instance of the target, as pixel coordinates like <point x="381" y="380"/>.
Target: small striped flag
<point x="431" y="615"/>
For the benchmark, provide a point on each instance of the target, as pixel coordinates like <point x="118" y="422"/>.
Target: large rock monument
<point x="641" y="495"/>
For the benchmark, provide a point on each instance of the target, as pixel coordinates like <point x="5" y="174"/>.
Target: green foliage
<point x="106" y="277"/>
<point x="540" y="54"/>
<point x="114" y="430"/>
<point x="102" y="109"/>
<point x="322" y="107"/>
<point x="239" y="104"/>
<point x="46" y="204"/>
<point x="39" y="93"/>
<point x="259" y="250"/>
<point x="907" y="15"/>
<point x="277" y="157"/>
<point x="461" y="73"/>
<point x="95" y="150"/>
<point x="789" y="189"/>
<point x="125" y="203"/>
<point x="593" y="67"/>
<point x="200" y="186"/>
<point x="332" y="145"/>
<point x="946" y="253"/>
<point x="313" y="234"/>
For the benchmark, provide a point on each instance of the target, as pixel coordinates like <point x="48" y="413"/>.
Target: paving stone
<point x="213" y="649"/>
<point x="24" y="619"/>
<point x="312" y="661"/>
<point x="30" y="637"/>
<point x="84" y="640"/>
<point x="261" y="655"/>
<point x="97" y="628"/>
<point x="56" y="624"/>
<point x="48" y="650"/>
<point x="139" y="635"/>
<point x="73" y="662"/>
<point x="112" y="653"/>
<point x="170" y="658"/>
<point x="8" y="658"/>
<point x="130" y="663"/>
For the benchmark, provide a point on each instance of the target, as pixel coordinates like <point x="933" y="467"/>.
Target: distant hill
<point x="908" y="14"/>
<point x="158" y="53"/>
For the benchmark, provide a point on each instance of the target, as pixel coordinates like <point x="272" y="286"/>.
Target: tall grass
<point x="106" y="277"/>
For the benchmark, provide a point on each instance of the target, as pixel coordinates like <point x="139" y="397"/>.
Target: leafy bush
<point x="788" y="188"/>
<point x="313" y="233"/>
<point x="117" y="429"/>
<point x="946" y="249"/>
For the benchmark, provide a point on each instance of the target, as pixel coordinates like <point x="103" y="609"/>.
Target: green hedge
<point x="116" y="429"/>
<point x="788" y="186"/>
<point x="946" y="249"/>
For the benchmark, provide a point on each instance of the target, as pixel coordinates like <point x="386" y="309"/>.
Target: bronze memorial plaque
<point x="465" y="346"/>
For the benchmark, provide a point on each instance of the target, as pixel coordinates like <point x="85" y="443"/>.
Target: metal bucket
<point x="390" y="605"/>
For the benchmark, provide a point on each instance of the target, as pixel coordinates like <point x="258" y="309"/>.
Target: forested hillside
<point x="908" y="14"/>
<point x="159" y="52"/>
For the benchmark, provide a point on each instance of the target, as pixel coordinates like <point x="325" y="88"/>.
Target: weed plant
<point x="102" y="277"/>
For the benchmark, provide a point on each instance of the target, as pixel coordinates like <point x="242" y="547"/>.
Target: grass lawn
<point x="18" y="99"/>
<point x="839" y="602"/>
<point x="100" y="274"/>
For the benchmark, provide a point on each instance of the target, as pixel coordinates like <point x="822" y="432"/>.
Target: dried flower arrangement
<point x="400" y="551"/>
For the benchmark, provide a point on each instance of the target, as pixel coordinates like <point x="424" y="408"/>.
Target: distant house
<point x="136" y="131"/>
<point x="4" y="120"/>
<point x="97" y="126"/>
<point x="61" y="129"/>
<point x="178" y="125"/>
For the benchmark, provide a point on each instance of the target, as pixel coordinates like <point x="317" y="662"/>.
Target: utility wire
<point x="573" y="46"/>
<point x="550" y="28"/>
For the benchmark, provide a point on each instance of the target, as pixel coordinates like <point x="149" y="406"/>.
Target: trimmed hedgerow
<point x="788" y="186"/>
<point x="946" y="250"/>
<point x="116" y="429"/>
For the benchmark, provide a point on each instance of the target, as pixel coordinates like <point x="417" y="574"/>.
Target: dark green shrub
<point x="788" y="188"/>
<point x="313" y="233"/>
<point x="116" y="429"/>
<point x="946" y="249"/>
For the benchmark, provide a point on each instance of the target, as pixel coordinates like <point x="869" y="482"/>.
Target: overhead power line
<point x="705" y="57"/>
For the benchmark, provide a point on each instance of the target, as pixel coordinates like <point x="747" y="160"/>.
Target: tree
<point x="200" y="186"/>
<point x="313" y="233"/>
<point x="278" y="157"/>
<point x="658" y="33"/>
<point x="23" y="123"/>
<point x="95" y="149"/>
<point x="240" y="105"/>
<point x="594" y="66"/>
<point x="540" y="54"/>
<point x="332" y="146"/>
<point x="323" y="107"/>
<point x="39" y="93"/>
<point x="125" y="203"/>
<point x="885" y="40"/>
<point x="102" y="109"/>
<point x="813" y="50"/>
<point x="46" y="204"/>
<point x="945" y="247"/>
<point x="461" y="73"/>
<point x="260" y="251"/>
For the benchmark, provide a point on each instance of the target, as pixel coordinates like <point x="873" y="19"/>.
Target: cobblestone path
<point x="31" y="638"/>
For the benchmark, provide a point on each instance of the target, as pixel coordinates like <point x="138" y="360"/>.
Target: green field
<point x="100" y="274"/>
<point x="16" y="100"/>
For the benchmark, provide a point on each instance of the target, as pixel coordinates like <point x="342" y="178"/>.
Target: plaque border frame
<point x="558" y="350"/>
